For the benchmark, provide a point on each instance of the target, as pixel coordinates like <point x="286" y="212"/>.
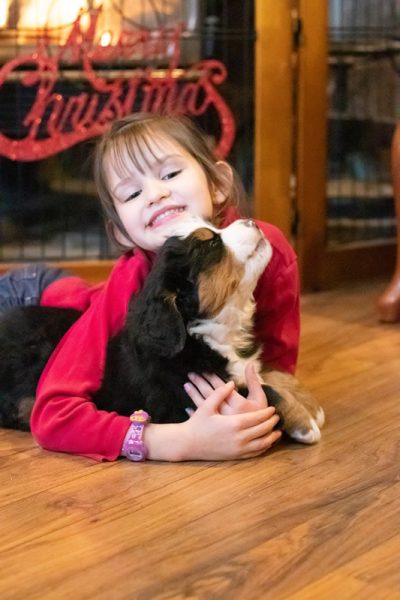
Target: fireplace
<point x="69" y="68"/>
<point x="24" y="22"/>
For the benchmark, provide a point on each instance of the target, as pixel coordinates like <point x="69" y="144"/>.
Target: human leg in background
<point x="24" y="286"/>
<point x="388" y="303"/>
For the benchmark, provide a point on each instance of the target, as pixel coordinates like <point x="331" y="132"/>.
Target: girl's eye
<point x="171" y="175"/>
<point x="133" y="196"/>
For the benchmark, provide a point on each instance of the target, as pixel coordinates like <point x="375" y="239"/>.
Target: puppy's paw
<point x="310" y="404"/>
<point x="301" y="416"/>
<point x="308" y="434"/>
<point x="297" y="422"/>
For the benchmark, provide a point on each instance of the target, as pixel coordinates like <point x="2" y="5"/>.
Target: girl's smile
<point x="154" y="187"/>
<point x="164" y="215"/>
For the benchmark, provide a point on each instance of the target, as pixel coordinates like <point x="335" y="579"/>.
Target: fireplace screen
<point x="67" y="69"/>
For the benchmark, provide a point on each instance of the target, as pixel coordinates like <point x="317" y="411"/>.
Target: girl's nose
<point x="156" y="190"/>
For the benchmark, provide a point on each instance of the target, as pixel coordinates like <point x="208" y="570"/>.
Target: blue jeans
<point x="25" y="286"/>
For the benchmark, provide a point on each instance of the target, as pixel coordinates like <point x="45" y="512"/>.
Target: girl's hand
<point x="209" y="435"/>
<point x="216" y="436"/>
<point x="200" y="388"/>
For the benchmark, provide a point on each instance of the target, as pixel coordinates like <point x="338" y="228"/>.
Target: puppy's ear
<point x="155" y="323"/>
<point x="162" y="330"/>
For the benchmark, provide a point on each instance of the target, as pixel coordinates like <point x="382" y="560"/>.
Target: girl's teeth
<point x="167" y="213"/>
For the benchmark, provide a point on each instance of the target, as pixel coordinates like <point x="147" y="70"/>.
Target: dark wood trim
<point x="312" y="141"/>
<point x="92" y="271"/>
<point x="350" y="264"/>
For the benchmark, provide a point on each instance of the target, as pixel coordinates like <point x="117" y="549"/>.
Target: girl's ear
<point x="223" y="189"/>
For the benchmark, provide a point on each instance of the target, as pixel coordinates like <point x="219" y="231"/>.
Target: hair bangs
<point x="139" y="150"/>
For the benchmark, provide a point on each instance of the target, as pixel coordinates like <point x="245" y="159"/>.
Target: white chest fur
<point x="230" y="334"/>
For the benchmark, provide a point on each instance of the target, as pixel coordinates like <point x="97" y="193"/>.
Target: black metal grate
<point x="364" y="92"/>
<point x="48" y="207"/>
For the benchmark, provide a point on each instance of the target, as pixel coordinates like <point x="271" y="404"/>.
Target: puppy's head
<point x="196" y="273"/>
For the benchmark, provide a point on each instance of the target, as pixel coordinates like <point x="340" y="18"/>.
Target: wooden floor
<point x="301" y="523"/>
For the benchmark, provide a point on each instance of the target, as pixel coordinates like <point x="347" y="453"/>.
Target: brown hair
<point x="135" y="135"/>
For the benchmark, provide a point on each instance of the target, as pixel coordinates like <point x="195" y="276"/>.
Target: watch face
<point x="140" y="416"/>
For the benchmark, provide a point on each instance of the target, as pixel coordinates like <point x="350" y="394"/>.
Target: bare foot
<point x="388" y="303"/>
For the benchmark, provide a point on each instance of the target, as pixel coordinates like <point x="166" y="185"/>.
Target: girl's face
<point x="166" y="186"/>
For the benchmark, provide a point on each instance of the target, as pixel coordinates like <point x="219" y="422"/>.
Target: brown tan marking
<point x="170" y="298"/>
<point x="297" y="403"/>
<point x="203" y="234"/>
<point x="218" y="283"/>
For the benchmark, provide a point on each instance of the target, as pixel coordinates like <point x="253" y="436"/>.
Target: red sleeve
<point x="64" y="417"/>
<point x="277" y="322"/>
<point x="70" y="292"/>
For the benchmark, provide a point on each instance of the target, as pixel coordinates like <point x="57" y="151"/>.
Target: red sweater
<point x="64" y="417"/>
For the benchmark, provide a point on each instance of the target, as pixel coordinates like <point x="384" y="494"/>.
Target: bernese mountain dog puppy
<point x="194" y="314"/>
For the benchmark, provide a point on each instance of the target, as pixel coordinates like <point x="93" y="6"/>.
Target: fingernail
<point x="187" y="387"/>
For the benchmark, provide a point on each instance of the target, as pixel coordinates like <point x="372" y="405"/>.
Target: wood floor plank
<point x="350" y="589"/>
<point x="298" y="524"/>
<point x="379" y="565"/>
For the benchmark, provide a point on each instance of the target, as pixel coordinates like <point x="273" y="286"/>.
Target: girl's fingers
<point x="214" y="380"/>
<point x="212" y="403"/>
<point x="194" y="394"/>
<point x="253" y="383"/>
<point x="249" y="420"/>
<point x="261" y="445"/>
<point x="203" y="386"/>
<point x="250" y="375"/>
<point x="262" y="429"/>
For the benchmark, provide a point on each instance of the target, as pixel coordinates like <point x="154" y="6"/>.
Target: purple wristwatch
<point x="133" y="447"/>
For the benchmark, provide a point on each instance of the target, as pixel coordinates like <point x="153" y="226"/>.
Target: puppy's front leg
<point x="301" y="415"/>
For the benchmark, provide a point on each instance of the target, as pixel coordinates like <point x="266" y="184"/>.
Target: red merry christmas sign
<point x="55" y="121"/>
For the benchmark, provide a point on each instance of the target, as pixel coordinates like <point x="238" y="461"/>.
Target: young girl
<point x="151" y="171"/>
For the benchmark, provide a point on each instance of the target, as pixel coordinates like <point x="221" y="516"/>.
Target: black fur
<point x="28" y="336"/>
<point x="147" y="362"/>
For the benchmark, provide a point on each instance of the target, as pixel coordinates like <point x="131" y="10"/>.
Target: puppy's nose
<point x="250" y="223"/>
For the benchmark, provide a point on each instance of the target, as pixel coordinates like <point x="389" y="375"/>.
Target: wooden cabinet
<point x="322" y="151"/>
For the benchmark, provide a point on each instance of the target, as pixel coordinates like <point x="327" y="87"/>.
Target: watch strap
<point x="133" y="447"/>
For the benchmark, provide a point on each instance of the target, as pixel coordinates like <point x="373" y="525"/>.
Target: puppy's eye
<point x="215" y="241"/>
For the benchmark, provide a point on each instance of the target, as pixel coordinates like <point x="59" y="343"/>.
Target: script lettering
<point x="56" y="120"/>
